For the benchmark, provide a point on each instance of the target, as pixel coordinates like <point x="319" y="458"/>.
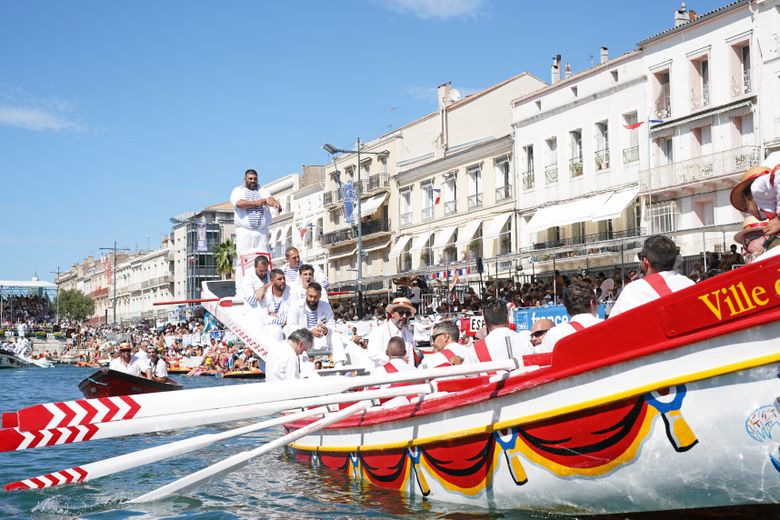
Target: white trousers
<point x="248" y="241"/>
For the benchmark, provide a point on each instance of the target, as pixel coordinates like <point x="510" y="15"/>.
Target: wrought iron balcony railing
<point x="369" y="227"/>
<point x="630" y="155"/>
<point x="529" y="179"/>
<point x="450" y="207"/>
<point x="503" y="193"/>
<point x="406" y="219"/>
<point x="710" y="166"/>
<point x="475" y="201"/>
<point x="551" y="173"/>
<point x="575" y="166"/>
<point x="601" y="158"/>
<point x="427" y="214"/>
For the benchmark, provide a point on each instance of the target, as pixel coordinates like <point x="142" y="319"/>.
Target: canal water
<point x="271" y="486"/>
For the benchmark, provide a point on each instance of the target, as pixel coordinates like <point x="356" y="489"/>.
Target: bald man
<point x="397" y="358"/>
<point x="538" y="330"/>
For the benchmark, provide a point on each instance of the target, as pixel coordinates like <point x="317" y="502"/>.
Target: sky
<point x="116" y="116"/>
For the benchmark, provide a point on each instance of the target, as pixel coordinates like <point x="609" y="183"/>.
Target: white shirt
<point x="497" y="346"/>
<point x="159" y="369"/>
<point x="357" y="356"/>
<point x="297" y="292"/>
<point x="132" y="368"/>
<point x="292" y="276"/>
<point x="555" y="334"/>
<point x="438" y="359"/>
<point x="380" y="335"/>
<point x="250" y="283"/>
<point x="298" y="318"/>
<point x="399" y="364"/>
<point x="282" y="363"/>
<point x="640" y="292"/>
<point x="767" y="194"/>
<point x="275" y="304"/>
<point x="241" y="215"/>
<point x="422" y="327"/>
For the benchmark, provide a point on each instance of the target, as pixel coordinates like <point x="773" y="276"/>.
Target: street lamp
<point x="332" y="150"/>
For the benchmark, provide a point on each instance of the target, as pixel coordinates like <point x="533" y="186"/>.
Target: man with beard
<point x="252" y="216"/>
<point x="292" y="268"/>
<point x="399" y="311"/>
<point x="313" y="314"/>
<point x="656" y="260"/>
<point x="275" y="304"/>
<point x="254" y="285"/>
<point x="305" y="279"/>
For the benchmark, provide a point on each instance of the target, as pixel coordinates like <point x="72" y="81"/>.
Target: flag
<point x="634" y="126"/>
<point x="303" y="231"/>
<point x="349" y="197"/>
<point x="437" y="196"/>
<point x="209" y="322"/>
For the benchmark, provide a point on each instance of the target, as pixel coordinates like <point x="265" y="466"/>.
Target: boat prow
<point x="107" y="383"/>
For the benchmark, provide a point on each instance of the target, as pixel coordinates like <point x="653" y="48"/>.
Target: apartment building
<point x="309" y="217"/>
<point x="702" y="86"/>
<point x="579" y="146"/>
<point x="282" y="230"/>
<point x="142" y="280"/>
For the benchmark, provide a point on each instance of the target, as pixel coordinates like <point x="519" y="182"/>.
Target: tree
<point x="75" y="305"/>
<point x="225" y="255"/>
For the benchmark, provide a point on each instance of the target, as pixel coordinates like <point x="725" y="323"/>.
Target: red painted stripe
<point x="10" y="420"/>
<point x="69" y="412"/>
<point x="112" y="408"/>
<point x="37" y="438"/>
<point x="10" y="439"/>
<point x="35" y="417"/>
<point x="92" y="429"/>
<point x="55" y="480"/>
<point x="67" y="476"/>
<point x="91" y="411"/>
<point x="38" y="482"/>
<point x="134" y="406"/>
<point x="16" y="486"/>
<point x="82" y="474"/>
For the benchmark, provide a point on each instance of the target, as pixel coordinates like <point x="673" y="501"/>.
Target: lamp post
<point x="332" y="150"/>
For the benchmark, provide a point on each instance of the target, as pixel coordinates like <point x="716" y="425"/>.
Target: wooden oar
<point x="12" y="439"/>
<point x="85" y="412"/>
<point x="102" y="468"/>
<point x="194" y="480"/>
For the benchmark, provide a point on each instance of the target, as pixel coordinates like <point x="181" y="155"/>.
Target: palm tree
<point x="225" y="255"/>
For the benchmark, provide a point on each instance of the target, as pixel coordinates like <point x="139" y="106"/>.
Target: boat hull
<point x="691" y="428"/>
<point x="10" y="360"/>
<point x="110" y="383"/>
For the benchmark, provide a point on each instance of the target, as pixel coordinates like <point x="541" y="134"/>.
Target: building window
<point x="662" y="94"/>
<point x="551" y="161"/>
<point x="503" y="178"/>
<point x="700" y="81"/>
<point x="602" y="146"/>
<point x="705" y="211"/>
<point x="575" y="153"/>
<point x="740" y="69"/>
<point x="426" y="192"/>
<point x="475" y="187"/>
<point x="664" y="216"/>
<point x="528" y="167"/>
<point x="450" y="194"/>
<point x="631" y="152"/>
<point x="405" y="210"/>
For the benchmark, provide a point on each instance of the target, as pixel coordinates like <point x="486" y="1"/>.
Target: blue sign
<point x="525" y="318"/>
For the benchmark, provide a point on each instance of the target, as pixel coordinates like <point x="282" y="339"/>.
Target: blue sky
<point x="115" y="116"/>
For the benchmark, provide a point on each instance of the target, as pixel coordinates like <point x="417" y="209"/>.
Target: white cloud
<point x="437" y="9"/>
<point x="36" y="119"/>
<point x="21" y="109"/>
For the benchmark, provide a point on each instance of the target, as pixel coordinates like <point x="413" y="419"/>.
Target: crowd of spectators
<point x="32" y="310"/>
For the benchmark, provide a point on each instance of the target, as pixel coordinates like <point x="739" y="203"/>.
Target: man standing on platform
<point x="252" y="216"/>
<point x="656" y="260"/>
<point x="293" y="265"/>
<point x="400" y="311"/>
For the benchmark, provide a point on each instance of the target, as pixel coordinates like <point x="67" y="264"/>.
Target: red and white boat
<point x="107" y="383"/>
<point x="671" y="406"/>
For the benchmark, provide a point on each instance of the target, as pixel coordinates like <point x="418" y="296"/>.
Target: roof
<point x="699" y="19"/>
<point x="31" y="284"/>
<point x="222" y="206"/>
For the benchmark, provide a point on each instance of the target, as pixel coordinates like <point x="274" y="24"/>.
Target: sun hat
<point x="768" y="165"/>
<point x="749" y="225"/>
<point x="401" y="302"/>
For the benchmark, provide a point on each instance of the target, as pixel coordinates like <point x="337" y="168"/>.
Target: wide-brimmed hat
<point x="749" y="225"/>
<point x="768" y="165"/>
<point x="401" y="302"/>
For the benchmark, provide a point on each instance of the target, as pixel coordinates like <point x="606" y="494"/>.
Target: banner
<point x="525" y="318"/>
<point x="348" y="195"/>
<point x="201" y="244"/>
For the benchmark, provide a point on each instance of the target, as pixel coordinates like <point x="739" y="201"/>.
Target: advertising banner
<point x="525" y="318"/>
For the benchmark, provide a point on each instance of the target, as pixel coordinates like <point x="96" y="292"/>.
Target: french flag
<point x="437" y="196"/>
<point x="634" y="126"/>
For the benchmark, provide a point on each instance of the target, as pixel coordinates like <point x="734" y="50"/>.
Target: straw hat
<point x="401" y="302"/>
<point x="749" y="225"/>
<point x="771" y="163"/>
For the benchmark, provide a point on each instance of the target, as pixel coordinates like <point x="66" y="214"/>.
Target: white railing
<point x="450" y="207"/>
<point x="551" y="173"/>
<point x="710" y="166"/>
<point x="475" y="201"/>
<point x="406" y="219"/>
<point x="529" y="180"/>
<point x="427" y="214"/>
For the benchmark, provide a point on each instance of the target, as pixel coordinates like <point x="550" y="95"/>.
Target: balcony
<point x="375" y="182"/>
<point x="529" y="179"/>
<point x="503" y="193"/>
<point x="705" y="167"/>
<point x="602" y="159"/>
<point x="746" y="87"/>
<point x="427" y="214"/>
<point x="406" y="219"/>
<point x="586" y="239"/>
<point x="551" y="173"/>
<point x="369" y="227"/>
<point x="702" y="99"/>
<point x="663" y="106"/>
<point x="475" y="201"/>
<point x="575" y="166"/>
<point x="630" y="155"/>
<point x="450" y="207"/>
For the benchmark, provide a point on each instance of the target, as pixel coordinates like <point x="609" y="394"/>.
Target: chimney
<point x="443" y="92"/>
<point x="692" y="15"/>
<point x="555" y="71"/>
<point x="681" y="16"/>
<point x="567" y="72"/>
<point x="604" y="56"/>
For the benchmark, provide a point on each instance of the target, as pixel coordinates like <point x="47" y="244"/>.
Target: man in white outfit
<point x="580" y="302"/>
<point x="252" y="216"/>
<point x="305" y="278"/>
<point x="446" y="349"/>
<point x="400" y="310"/>
<point x="314" y="315"/>
<point x="254" y="285"/>
<point x="292" y="268"/>
<point x="126" y="362"/>
<point x="275" y="304"/>
<point x="501" y="342"/>
<point x="284" y="358"/>
<point x="656" y="260"/>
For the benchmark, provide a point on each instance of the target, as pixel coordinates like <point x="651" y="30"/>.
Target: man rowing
<point x="446" y="349"/>
<point x="397" y="360"/>
<point x="501" y="342"/>
<point x="580" y="302"/>
<point x="126" y="362"/>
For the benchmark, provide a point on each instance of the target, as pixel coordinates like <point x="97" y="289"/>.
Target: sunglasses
<point x="433" y="338"/>
<point x="747" y="239"/>
<point x="404" y="313"/>
<point x="125" y="350"/>
<point x="640" y="256"/>
<point x="539" y="333"/>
